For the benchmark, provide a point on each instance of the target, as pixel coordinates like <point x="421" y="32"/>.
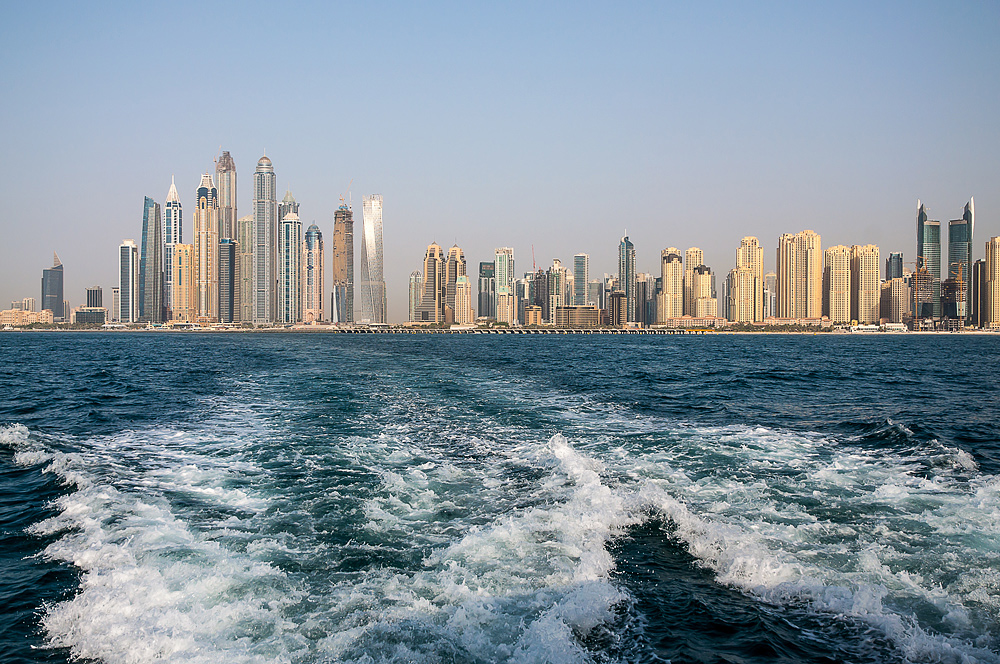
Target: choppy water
<point x="313" y="498"/>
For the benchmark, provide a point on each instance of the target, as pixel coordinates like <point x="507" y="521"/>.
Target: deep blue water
<point x="326" y="498"/>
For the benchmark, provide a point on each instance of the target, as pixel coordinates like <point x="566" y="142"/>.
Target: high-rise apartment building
<point x="626" y="276"/>
<point x="431" y="307"/>
<point x="741" y="289"/>
<point x="800" y="275"/>
<point x="289" y="268"/>
<point x="185" y="299"/>
<point x="581" y="277"/>
<point x="225" y="175"/>
<point x="95" y="297"/>
<point x="693" y="257"/>
<point x="245" y="238"/>
<point x="749" y="256"/>
<point x="415" y="291"/>
<point x="287" y="204"/>
<point x="151" y="306"/>
<point x="115" y="304"/>
<point x="463" y="301"/>
<point x="373" y="306"/>
<point x="29" y="303"/>
<point x="173" y="226"/>
<point x="206" y="250"/>
<point x="342" y="298"/>
<point x="52" y="290"/>
<point x="487" y="289"/>
<point x="865" y="284"/>
<point x="837" y="284"/>
<point x="229" y="281"/>
<point x="977" y="293"/>
<point x="670" y="303"/>
<point x="595" y="293"/>
<point x="128" y="281"/>
<point x="312" y="275"/>
<point x="503" y="270"/>
<point x="556" y="278"/>
<point x="894" y="305"/>
<point x="991" y="319"/>
<point x="960" y="239"/>
<point x="928" y="272"/>
<point x="703" y="286"/>
<point x="455" y="267"/>
<point x="894" y="266"/>
<point x="770" y="295"/>
<point x="265" y="243"/>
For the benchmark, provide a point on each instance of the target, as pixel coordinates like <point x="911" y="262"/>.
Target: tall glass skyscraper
<point x="372" y="282"/>
<point x="342" y="299"/>
<point x="265" y="243"/>
<point x="287" y="204"/>
<point x="581" y="275"/>
<point x="960" y="238"/>
<point x="151" y="309"/>
<point x="52" y="289"/>
<point x="289" y="269"/>
<point x="244" y="234"/>
<point x="487" y="290"/>
<point x="312" y="275"/>
<point x="173" y="222"/>
<point x="894" y="266"/>
<point x="626" y="276"/>
<point x="503" y="269"/>
<point x="928" y="274"/>
<point x="206" y="250"/>
<point x="225" y="175"/>
<point x="128" y="282"/>
<point x="229" y="281"/>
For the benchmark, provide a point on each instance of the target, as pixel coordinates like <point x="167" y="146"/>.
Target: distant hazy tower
<point x="431" y="307"/>
<point x="991" y="316"/>
<point x="928" y="272"/>
<point x="372" y="281"/>
<point x="960" y="239"/>
<point x="503" y="271"/>
<point x="184" y="310"/>
<point x="770" y="295"/>
<point x="455" y="267"/>
<point x="289" y="268"/>
<point x="487" y="289"/>
<point x="837" y="284"/>
<point x="415" y="291"/>
<point x="312" y="275"/>
<point x="556" y="280"/>
<point x="52" y="289"/>
<point x="693" y="257"/>
<point x="342" y="299"/>
<point x="265" y="243"/>
<point x="206" y="250"/>
<point x="151" y="308"/>
<point x="244" y="235"/>
<point x="287" y="204"/>
<point x="670" y="303"/>
<point x="128" y="281"/>
<point x="865" y="284"/>
<point x="225" y="175"/>
<point x="750" y="256"/>
<point x="173" y="225"/>
<point x="626" y="276"/>
<point x="229" y="281"/>
<point x="581" y="276"/>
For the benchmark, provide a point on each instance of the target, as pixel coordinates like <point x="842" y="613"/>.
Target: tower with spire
<point x="265" y="244"/>
<point x="172" y="235"/>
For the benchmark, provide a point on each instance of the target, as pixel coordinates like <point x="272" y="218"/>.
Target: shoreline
<point x="509" y="332"/>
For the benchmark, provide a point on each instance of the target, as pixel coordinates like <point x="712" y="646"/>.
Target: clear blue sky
<point x="498" y="124"/>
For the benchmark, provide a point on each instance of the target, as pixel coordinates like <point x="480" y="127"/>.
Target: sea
<point x="299" y="498"/>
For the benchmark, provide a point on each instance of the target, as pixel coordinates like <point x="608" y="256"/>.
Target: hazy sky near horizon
<point x="557" y="126"/>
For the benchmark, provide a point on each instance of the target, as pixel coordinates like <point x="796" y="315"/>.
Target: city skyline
<point x="596" y="140"/>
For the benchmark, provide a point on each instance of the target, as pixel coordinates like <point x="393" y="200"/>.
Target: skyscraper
<point x="741" y="290"/>
<point x="463" y="301"/>
<point x="373" y="306"/>
<point x="837" y="284"/>
<point x="115" y="303"/>
<point x="865" y="284"/>
<point x="991" y="318"/>
<point x="671" y="297"/>
<point x="206" y="250"/>
<point x="342" y="299"/>
<point x="626" y="276"/>
<point x="52" y="290"/>
<point x="287" y="204"/>
<point x="151" y="309"/>
<point x="415" y="291"/>
<point x="245" y="238"/>
<point x="265" y="244"/>
<point x="95" y="297"/>
<point x="705" y="303"/>
<point x="229" y="281"/>
<point x="173" y="225"/>
<point x="894" y="266"/>
<point x="770" y="295"/>
<point x="800" y="275"/>
<point x="225" y="175"/>
<point x="503" y="269"/>
<point x="487" y="290"/>
<point x="312" y="275"/>
<point x="693" y="257"/>
<point x="977" y="294"/>
<point x="928" y="272"/>
<point x="289" y="268"/>
<point x="749" y="256"/>
<point x="556" y="278"/>
<point x="581" y="276"/>
<point x="431" y="307"/>
<point x="128" y="281"/>
<point x="960" y="239"/>
<point x="185" y="307"/>
<point x="455" y="267"/>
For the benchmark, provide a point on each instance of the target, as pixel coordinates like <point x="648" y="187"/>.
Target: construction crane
<point x="534" y="268"/>
<point x="346" y="192"/>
